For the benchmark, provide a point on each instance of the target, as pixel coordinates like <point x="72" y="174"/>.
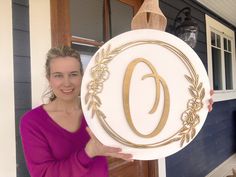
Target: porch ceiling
<point x="224" y="8"/>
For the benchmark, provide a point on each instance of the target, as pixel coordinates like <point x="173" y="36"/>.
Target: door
<point x="86" y="25"/>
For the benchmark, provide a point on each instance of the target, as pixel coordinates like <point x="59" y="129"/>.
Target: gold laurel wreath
<point x="100" y="73"/>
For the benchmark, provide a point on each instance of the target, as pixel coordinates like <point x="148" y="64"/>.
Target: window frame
<point x="214" y="26"/>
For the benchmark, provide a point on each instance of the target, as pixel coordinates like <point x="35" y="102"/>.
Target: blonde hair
<point x="56" y="52"/>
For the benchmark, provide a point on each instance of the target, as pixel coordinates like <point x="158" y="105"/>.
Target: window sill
<point x="224" y="95"/>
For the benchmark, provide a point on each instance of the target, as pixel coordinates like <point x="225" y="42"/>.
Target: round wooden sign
<point x="147" y="92"/>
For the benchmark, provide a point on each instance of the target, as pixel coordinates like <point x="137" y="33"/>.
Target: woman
<point x="55" y="139"/>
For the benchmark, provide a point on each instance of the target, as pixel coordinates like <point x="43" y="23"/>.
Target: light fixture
<point x="185" y="28"/>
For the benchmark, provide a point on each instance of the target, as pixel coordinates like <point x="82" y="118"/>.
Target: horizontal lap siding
<point x="216" y="140"/>
<point x="22" y="83"/>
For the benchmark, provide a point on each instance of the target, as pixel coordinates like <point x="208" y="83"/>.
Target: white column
<point x="7" y="108"/>
<point x="40" y="43"/>
<point x="162" y="167"/>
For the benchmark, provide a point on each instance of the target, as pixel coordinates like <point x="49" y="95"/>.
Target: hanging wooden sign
<point x="147" y="92"/>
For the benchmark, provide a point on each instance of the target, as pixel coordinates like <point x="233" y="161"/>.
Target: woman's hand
<point x="210" y="106"/>
<point x="95" y="148"/>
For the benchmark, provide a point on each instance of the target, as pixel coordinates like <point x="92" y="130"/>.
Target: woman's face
<point x="65" y="78"/>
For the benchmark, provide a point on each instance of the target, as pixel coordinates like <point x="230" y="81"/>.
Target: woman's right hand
<point x="95" y="148"/>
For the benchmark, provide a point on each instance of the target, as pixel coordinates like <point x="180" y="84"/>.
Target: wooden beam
<point x="60" y="23"/>
<point x="106" y="20"/>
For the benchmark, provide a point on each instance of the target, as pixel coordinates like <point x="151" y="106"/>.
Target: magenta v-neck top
<point x="52" y="151"/>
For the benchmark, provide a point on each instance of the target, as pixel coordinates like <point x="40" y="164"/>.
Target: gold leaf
<point x="108" y="48"/>
<point x="188" y="78"/>
<point x="183" y="129"/>
<point x="90" y="105"/>
<point x="196" y="81"/>
<point x="193" y="132"/>
<point x="193" y="93"/>
<point x="87" y="96"/>
<point x="97" y="113"/>
<point x="199" y="86"/>
<point x="202" y="94"/>
<point x="97" y="58"/>
<point x="191" y="87"/>
<point x="182" y="141"/>
<point x="103" y="115"/>
<point x="93" y="112"/>
<point x="97" y="99"/>
<point x="103" y="53"/>
<point x="176" y="139"/>
<point x="187" y="137"/>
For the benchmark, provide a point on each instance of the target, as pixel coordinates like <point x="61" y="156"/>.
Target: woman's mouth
<point x="68" y="91"/>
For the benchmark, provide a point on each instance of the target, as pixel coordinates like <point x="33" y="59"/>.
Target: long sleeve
<point x="50" y="151"/>
<point x="41" y="162"/>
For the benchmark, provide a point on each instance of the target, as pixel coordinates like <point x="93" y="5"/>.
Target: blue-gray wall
<point x="22" y="83"/>
<point x="216" y="141"/>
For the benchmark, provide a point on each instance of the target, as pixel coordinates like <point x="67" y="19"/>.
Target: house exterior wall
<point x="22" y="73"/>
<point x="31" y="39"/>
<point x="216" y="141"/>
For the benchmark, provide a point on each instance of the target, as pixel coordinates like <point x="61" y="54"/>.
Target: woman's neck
<point x="60" y="105"/>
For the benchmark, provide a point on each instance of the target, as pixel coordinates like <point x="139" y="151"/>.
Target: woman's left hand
<point x="210" y="106"/>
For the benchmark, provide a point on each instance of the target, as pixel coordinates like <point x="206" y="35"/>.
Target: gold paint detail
<point x="158" y="81"/>
<point x="190" y="118"/>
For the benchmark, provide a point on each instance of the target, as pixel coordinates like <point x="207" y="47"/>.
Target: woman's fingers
<point x="211" y="92"/>
<point x="90" y="133"/>
<point x="124" y="156"/>
<point x="95" y="147"/>
<point x="210" y="101"/>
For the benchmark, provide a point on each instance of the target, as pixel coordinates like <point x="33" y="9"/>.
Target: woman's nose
<point x="66" y="81"/>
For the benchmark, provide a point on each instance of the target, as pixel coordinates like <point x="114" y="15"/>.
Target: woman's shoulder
<point x="32" y="115"/>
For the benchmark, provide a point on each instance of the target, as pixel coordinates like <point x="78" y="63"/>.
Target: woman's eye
<point x="58" y="75"/>
<point x="74" y="74"/>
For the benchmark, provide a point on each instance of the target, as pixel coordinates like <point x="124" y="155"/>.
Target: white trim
<point x="162" y="167"/>
<point x="213" y="25"/>
<point x="7" y="108"/>
<point x="224" y="168"/>
<point x="40" y="43"/>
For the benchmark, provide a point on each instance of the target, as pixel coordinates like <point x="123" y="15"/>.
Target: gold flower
<point x="100" y="72"/>
<point x="190" y="118"/>
<point x="195" y="104"/>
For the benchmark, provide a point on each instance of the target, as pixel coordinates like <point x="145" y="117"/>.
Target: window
<point x="221" y="59"/>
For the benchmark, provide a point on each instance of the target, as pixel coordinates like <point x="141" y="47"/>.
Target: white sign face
<point x="147" y="92"/>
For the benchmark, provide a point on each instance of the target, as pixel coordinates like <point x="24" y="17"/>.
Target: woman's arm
<point x="40" y="160"/>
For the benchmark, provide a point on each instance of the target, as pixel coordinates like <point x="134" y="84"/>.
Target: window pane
<point x="217" y="72"/>
<point x="229" y="45"/>
<point x="218" y="40"/>
<point x="86" y="18"/>
<point x="213" y="39"/>
<point x="121" y="17"/>
<point x="225" y="44"/>
<point x="228" y="70"/>
<point x="86" y="53"/>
